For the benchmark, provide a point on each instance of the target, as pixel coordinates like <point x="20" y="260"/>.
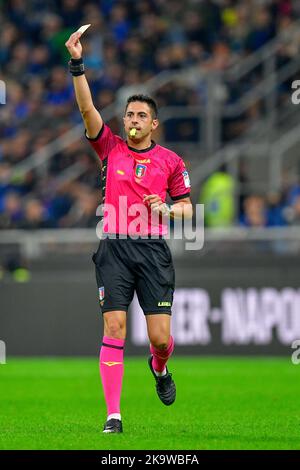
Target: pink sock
<point x="111" y="372"/>
<point x="160" y="357"/>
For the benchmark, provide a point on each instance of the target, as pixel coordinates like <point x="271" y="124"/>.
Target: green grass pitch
<point x="222" y="403"/>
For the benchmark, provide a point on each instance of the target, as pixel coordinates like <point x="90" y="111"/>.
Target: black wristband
<point x="76" y="67"/>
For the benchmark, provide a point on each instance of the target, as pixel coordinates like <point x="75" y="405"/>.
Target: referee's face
<point x="138" y="115"/>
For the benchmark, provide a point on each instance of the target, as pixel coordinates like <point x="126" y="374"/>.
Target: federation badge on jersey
<point x="186" y="179"/>
<point x="101" y="293"/>
<point x="140" y="170"/>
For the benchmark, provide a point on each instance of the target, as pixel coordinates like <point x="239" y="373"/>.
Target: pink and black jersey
<point x="128" y="175"/>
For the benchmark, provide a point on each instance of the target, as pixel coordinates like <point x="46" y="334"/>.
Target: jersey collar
<point x="153" y="144"/>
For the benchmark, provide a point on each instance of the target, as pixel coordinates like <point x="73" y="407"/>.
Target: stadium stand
<point x="129" y="44"/>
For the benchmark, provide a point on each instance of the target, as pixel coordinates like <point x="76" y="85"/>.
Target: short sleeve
<point x="104" y="142"/>
<point x="179" y="182"/>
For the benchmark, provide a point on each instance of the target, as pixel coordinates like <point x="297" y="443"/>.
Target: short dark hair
<point x="144" y="99"/>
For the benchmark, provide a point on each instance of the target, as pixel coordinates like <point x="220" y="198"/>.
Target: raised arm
<point x="91" y="117"/>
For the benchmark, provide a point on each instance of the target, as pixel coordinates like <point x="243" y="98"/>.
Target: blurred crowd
<point x="128" y="43"/>
<point x="227" y="204"/>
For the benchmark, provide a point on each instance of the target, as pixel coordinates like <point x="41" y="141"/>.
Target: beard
<point x="140" y="135"/>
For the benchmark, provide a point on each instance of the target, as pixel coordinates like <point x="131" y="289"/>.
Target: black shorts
<point x="143" y="265"/>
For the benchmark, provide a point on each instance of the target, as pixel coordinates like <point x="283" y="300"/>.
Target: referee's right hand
<point x="74" y="46"/>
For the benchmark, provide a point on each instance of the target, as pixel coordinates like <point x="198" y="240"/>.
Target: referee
<point x="135" y="257"/>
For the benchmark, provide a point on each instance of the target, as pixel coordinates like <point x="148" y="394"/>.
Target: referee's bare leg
<point x="112" y="366"/>
<point x="161" y="348"/>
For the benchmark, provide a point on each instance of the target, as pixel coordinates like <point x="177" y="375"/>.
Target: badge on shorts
<point x="101" y="293"/>
<point x="140" y="170"/>
<point x="186" y="179"/>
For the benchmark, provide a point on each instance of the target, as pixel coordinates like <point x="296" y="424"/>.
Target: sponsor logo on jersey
<point x="186" y="179"/>
<point x="140" y="170"/>
<point x="164" y="304"/>
<point x="147" y="160"/>
<point x="101" y="293"/>
<point x="121" y="172"/>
